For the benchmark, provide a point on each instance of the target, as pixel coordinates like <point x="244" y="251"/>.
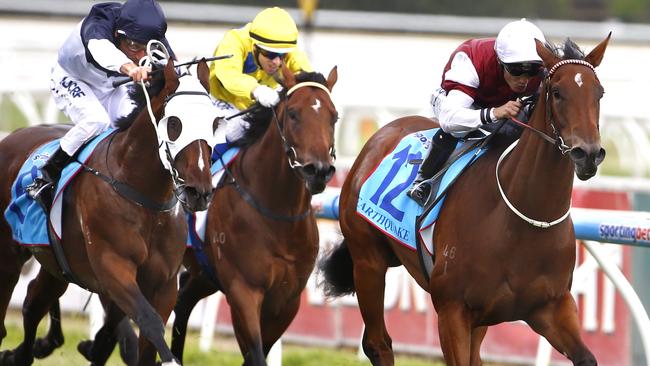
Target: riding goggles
<point x="529" y="69"/>
<point x="134" y="46"/>
<point x="271" y="55"/>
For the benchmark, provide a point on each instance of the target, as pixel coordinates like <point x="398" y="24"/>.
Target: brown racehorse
<point x="126" y="249"/>
<point x="491" y="266"/>
<point x="261" y="236"/>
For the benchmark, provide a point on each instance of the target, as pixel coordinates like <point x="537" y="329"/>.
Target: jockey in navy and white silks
<point x="107" y="43"/>
<point x="480" y="85"/>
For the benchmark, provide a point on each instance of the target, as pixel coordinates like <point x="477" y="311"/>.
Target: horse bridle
<point x="289" y="150"/>
<point x="292" y="157"/>
<point x="558" y="141"/>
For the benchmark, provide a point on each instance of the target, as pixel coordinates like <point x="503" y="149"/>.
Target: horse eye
<point x="556" y="94"/>
<point x="293" y="114"/>
<point x="174" y="128"/>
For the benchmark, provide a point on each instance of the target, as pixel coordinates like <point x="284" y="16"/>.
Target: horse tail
<point x="337" y="268"/>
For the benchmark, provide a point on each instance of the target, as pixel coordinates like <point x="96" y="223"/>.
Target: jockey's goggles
<point x="529" y="69"/>
<point x="270" y="55"/>
<point x="133" y="46"/>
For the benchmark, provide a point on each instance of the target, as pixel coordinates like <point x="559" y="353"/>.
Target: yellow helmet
<point x="274" y="30"/>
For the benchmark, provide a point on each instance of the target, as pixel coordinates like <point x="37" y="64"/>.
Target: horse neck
<point x="267" y="173"/>
<point x="536" y="172"/>
<point x="137" y="157"/>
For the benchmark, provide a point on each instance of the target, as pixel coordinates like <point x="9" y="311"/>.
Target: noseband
<point x="289" y="150"/>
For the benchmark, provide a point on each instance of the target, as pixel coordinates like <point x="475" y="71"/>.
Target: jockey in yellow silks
<point x="258" y="50"/>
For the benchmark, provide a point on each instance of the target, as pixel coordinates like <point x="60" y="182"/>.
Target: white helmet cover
<point x="515" y="42"/>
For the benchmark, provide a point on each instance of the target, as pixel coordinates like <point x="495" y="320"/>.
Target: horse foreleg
<point x="162" y="300"/>
<point x="120" y="283"/>
<point x="42" y="292"/>
<point x="274" y="324"/>
<point x="44" y="347"/>
<point x="455" y="334"/>
<point x="558" y="323"/>
<point x="477" y="338"/>
<point x="369" y="280"/>
<point x="99" y="350"/>
<point x="193" y="289"/>
<point x="244" y="309"/>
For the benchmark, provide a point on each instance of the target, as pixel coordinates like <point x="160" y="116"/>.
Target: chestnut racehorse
<point x="499" y="256"/>
<point x="261" y="236"/>
<point x="123" y="243"/>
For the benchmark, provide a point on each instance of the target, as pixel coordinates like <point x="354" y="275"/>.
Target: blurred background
<point x="390" y="56"/>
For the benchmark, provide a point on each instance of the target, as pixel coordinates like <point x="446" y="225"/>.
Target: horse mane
<point x="136" y="93"/>
<point x="567" y="50"/>
<point x="260" y="118"/>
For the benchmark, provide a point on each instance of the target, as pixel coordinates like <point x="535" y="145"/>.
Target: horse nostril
<point x="600" y="156"/>
<point x="577" y="154"/>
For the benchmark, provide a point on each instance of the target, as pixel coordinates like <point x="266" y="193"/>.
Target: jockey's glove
<point x="266" y="96"/>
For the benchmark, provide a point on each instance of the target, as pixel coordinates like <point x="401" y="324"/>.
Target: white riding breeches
<point x="235" y="127"/>
<point x="91" y="113"/>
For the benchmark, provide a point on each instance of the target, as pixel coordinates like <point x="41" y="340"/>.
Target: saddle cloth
<point x="24" y="215"/>
<point x="383" y="201"/>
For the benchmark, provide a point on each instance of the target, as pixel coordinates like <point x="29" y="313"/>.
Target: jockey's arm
<point x="107" y="55"/>
<point x="458" y="115"/>
<point x="229" y="71"/>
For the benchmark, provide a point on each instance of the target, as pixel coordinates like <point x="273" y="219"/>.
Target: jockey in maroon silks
<point x="481" y="84"/>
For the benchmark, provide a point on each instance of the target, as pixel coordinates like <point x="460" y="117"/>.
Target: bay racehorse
<point x="124" y="233"/>
<point x="261" y="236"/>
<point x="499" y="257"/>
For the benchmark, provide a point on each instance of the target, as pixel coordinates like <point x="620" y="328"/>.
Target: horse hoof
<point x="12" y="358"/>
<point x="43" y="347"/>
<point x="85" y="348"/>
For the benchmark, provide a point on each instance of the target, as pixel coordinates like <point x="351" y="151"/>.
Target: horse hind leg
<point x="8" y="281"/>
<point x="42" y="292"/>
<point x="370" y="283"/>
<point x="193" y="289"/>
<point x="12" y="260"/>
<point x="44" y="347"/>
<point x="558" y="323"/>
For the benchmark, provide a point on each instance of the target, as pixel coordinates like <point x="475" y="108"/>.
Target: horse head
<point x="306" y="118"/>
<point x="187" y="133"/>
<point x="572" y="95"/>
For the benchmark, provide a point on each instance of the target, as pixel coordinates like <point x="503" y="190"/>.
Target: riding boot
<point x="43" y="187"/>
<point x="442" y="145"/>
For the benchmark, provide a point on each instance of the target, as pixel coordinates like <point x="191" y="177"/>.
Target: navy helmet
<point x="141" y="21"/>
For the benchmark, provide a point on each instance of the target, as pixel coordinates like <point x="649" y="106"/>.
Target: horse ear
<point x="203" y="72"/>
<point x="596" y="55"/>
<point x="289" y="79"/>
<point x="547" y="56"/>
<point x="332" y="78"/>
<point x="171" y="78"/>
